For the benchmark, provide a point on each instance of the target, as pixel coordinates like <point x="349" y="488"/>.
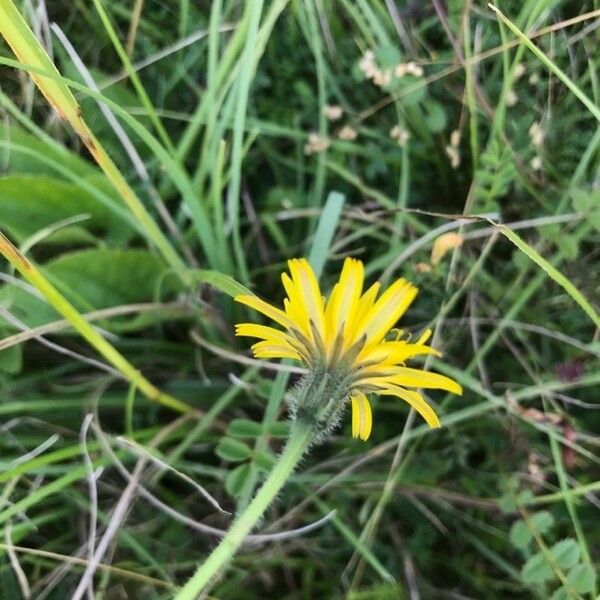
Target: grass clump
<point x="178" y="155"/>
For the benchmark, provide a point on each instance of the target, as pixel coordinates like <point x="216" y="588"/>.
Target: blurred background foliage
<point x="304" y="127"/>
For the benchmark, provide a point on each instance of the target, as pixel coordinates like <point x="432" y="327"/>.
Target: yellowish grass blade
<point x="30" y="52"/>
<point x="34" y="276"/>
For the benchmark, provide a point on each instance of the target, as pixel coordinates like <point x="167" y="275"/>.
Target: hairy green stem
<point x="297" y="443"/>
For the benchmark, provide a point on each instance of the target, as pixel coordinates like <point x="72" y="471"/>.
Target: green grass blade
<point x="325" y="230"/>
<point x="552" y="67"/>
<point x="552" y="271"/>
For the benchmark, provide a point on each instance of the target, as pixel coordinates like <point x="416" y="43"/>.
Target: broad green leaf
<point x="582" y="578"/>
<point x="560" y="594"/>
<point x="105" y="277"/>
<point x="25" y="154"/>
<point x="265" y="460"/>
<point x="244" y="428"/>
<point x="583" y="201"/>
<point x="29" y="204"/>
<point x="566" y="553"/>
<point x="435" y="116"/>
<point x="279" y="429"/>
<point x="542" y="521"/>
<point x="537" y="570"/>
<point x="588" y="203"/>
<point x="93" y="279"/>
<point x="233" y="450"/>
<point x="520" y="535"/>
<point x="568" y="246"/>
<point x="236" y="479"/>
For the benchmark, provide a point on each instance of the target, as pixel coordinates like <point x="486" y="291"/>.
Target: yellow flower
<point x="346" y="338"/>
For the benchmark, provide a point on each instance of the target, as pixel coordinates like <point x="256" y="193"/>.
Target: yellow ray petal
<point x="274" y="313"/>
<point x="270" y="349"/>
<point x="391" y="353"/>
<point x="308" y="287"/>
<point x="415" y="378"/>
<point x="387" y="310"/>
<point x="364" y="305"/>
<point x="330" y="317"/>
<point x="260" y="331"/>
<point x="343" y="302"/>
<point x="294" y="306"/>
<point x="362" y="417"/>
<point x="273" y="336"/>
<point x="416" y="401"/>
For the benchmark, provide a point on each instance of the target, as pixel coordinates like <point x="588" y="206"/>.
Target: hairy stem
<point x="297" y="443"/>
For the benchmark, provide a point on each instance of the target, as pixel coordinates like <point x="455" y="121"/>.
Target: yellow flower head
<point x="344" y="339"/>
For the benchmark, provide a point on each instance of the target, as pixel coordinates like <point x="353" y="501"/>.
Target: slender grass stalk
<point x="294" y="450"/>
<point x="550" y="65"/>
<point x="568" y="499"/>
<point x="133" y="76"/>
<point x="314" y="41"/>
<point x="242" y="92"/>
<point x="470" y="89"/>
<point x="29" y="51"/>
<point x="34" y="276"/>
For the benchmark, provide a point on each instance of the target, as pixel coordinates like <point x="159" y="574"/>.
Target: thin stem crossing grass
<point x="34" y="276"/>
<point x="294" y="450"/>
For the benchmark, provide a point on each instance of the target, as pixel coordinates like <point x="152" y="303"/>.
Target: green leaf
<point x="325" y="230"/>
<point x="29" y="204"/>
<point x="594" y="219"/>
<point x="236" y="479"/>
<point x="560" y="594"/>
<point x="435" y="116"/>
<point x="524" y="497"/>
<point x="583" y="201"/>
<point x="537" y="570"/>
<point x="568" y="245"/>
<point x="542" y="521"/>
<point x="264" y="460"/>
<point x="233" y="450"/>
<point x="279" y="429"/>
<point x="11" y="359"/>
<point x="244" y="428"/>
<point x="520" y="535"/>
<point x="582" y="579"/>
<point x="565" y="553"/>
<point x="105" y="277"/>
<point x="225" y="283"/>
<point x="25" y="154"/>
